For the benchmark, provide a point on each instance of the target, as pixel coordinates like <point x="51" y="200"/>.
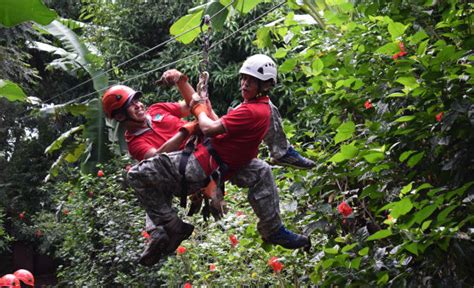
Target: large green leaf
<point x="245" y="6"/>
<point x="57" y="144"/>
<point x="401" y="207"/>
<point x="344" y="131"/>
<point x="13" y="12"/>
<point x="380" y="235"/>
<point x="396" y="29"/>
<point x="184" y="25"/>
<point x="11" y="91"/>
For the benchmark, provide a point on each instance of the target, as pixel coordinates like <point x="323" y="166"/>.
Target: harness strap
<point x="183" y="162"/>
<point x="223" y="168"/>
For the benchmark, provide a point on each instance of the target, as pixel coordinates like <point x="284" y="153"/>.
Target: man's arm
<point x="210" y="127"/>
<point x="173" y="144"/>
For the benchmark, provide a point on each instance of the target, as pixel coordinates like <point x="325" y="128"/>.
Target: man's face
<point x="248" y="86"/>
<point x="136" y="110"/>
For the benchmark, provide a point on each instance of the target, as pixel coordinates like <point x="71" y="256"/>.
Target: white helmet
<point x="261" y="67"/>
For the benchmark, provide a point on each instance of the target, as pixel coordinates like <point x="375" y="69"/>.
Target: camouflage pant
<point x="275" y="139"/>
<point x="157" y="179"/>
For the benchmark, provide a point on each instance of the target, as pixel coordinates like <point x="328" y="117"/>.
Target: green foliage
<point x="13" y="12"/>
<point x="391" y="133"/>
<point x="380" y="144"/>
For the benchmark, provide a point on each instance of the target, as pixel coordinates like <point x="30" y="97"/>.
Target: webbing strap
<point x="183" y="162"/>
<point x="223" y="168"/>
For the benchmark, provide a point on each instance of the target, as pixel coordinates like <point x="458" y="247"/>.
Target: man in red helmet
<point x="229" y="154"/>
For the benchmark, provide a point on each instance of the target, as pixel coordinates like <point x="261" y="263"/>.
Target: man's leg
<point x="262" y="194"/>
<point x="263" y="197"/>
<point x="155" y="181"/>
<point x="282" y="153"/>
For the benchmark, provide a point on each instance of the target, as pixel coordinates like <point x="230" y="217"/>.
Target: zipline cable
<point x="132" y="78"/>
<point x="137" y="56"/>
<point x="182" y="59"/>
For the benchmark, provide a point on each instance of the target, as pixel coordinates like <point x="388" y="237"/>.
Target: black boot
<point x="159" y="240"/>
<point x="177" y="232"/>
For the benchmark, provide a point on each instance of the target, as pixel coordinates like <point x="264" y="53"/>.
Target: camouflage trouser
<point x="157" y="179"/>
<point x="275" y="139"/>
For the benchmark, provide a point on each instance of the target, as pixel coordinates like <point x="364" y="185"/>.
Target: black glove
<point x="196" y="203"/>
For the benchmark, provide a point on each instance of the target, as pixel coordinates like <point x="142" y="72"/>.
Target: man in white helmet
<point x="229" y="154"/>
<point x="280" y="149"/>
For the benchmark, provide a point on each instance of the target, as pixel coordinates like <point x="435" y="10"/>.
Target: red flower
<point x="187" y="285"/>
<point x="395" y="56"/>
<point x="145" y="235"/>
<point x="439" y="116"/>
<point x="181" y="250"/>
<point x="233" y="240"/>
<point x="368" y="104"/>
<point x="66" y="211"/>
<point x="212" y="266"/>
<point x="100" y="173"/>
<point x="38" y="233"/>
<point x="239" y="213"/>
<point x="22" y="215"/>
<point x="276" y="265"/>
<point x="344" y="209"/>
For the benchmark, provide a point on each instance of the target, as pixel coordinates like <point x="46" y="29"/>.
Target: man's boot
<point x="158" y="241"/>
<point x="288" y="239"/>
<point x="178" y="231"/>
<point x="293" y="159"/>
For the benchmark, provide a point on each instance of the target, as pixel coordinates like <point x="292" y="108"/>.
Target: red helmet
<point x="118" y="97"/>
<point x="10" y="280"/>
<point x="25" y="276"/>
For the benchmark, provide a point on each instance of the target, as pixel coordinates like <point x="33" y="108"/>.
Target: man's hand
<point x="172" y="77"/>
<point x="196" y="203"/>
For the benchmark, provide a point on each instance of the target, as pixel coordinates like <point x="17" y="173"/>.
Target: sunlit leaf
<point x="11" y="91"/>
<point x="57" y="144"/>
<point x="415" y="159"/>
<point x="396" y="29"/>
<point x="184" y="27"/>
<point x="344" y="131"/>
<point x="374" y="157"/>
<point x="13" y="12"/>
<point x="401" y="207"/>
<point x="380" y="235"/>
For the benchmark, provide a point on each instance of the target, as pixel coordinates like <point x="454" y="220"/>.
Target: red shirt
<point x="245" y="128"/>
<point x="165" y="121"/>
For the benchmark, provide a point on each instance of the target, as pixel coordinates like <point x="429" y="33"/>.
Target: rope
<point x="139" y="55"/>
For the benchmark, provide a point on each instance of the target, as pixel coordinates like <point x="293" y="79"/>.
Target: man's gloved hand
<point x="217" y="205"/>
<point x="190" y="127"/>
<point x="196" y="203"/>
<point x="171" y="77"/>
